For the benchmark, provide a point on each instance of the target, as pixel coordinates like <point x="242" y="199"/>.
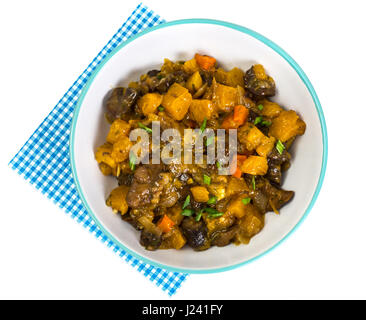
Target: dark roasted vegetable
<point x="120" y="102"/>
<point x="196" y="234"/>
<point x="222" y="238"/>
<point x="277" y="198"/>
<point x="258" y="82"/>
<point x="151" y="241"/>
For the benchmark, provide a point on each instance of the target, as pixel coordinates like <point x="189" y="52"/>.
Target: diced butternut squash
<point x="200" y="194"/>
<point x="119" y="128"/>
<point x="224" y="97"/>
<point x="236" y="186"/>
<point x="232" y="78"/>
<point x="220" y="223"/>
<point x="170" y="66"/>
<point x="177" y="101"/>
<point x="250" y="224"/>
<point x="121" y="149"/>
<point x="194" y="82"/>
<point x="175" y="213"/>
<point x="149" y="103"/>
<point x="270" y="109"/>
<point x="255" y="165"/>
<point x="250" y="136"/>
<point x="200" y="110"/>
<point x="103" y="155"/>
<point x="173" y="239"/>
<point x="191" y="66"/>
<point x="105" y="169"/>
<point x="259" y="72"/>
<point x="266" y="146"/>
<point x="218" y="190"/>
<point x="117" y="199"/>
<point x="237" y="208"/>
<point x="286" y="126"/>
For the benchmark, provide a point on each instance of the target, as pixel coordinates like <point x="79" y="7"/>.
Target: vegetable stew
<point x="178" y="204"/>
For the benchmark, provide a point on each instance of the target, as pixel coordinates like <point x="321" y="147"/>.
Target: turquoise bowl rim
<point x="267" y="42"/>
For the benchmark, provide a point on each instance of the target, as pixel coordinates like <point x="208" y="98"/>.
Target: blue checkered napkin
<point x="44" y="159"/>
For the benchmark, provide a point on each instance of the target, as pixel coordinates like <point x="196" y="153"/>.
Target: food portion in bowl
<point x="179" y="203"/>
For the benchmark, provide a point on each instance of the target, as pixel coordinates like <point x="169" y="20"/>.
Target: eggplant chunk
<point x="120" y="103"/>
<point x="277" y="198"/>
<point x="150" y="240"/>
<point x="224" y="237"/>
<point x="196" y="234"/>
<point x="258" y="82"/>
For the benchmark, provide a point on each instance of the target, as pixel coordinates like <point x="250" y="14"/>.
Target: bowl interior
<point x="231" y="47"/>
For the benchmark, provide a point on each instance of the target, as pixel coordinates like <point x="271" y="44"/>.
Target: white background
<point x="45" y="45"/>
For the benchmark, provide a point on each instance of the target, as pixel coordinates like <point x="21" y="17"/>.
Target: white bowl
<point x="232" y="46"/>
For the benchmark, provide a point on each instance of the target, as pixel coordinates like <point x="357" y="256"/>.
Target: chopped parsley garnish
<point x="213" y="213"/>
<point x="280" y="147"/>
<point x="147" y="129"/>
<point x="212" y="200"/>
<point x="245" y="200"/>
<point x="187" y="212"/>
<point x="187" y="202"/>
<point x="198" y="216"/>
<point x="218" y="164"/>
<point x="159" y="76"/>
<point x="132" y="161"/>
<point x="161" y="108"/>
<point x="206" y="179"/>
<point x="260" y="121"/>
<point x="260" y="107"/>
<point x="253" y="182"/>
<point x="203" y="126"/>
<point x="266" y="123"/>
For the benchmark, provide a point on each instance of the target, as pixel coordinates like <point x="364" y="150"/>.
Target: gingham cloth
<point x="44" y="160"/>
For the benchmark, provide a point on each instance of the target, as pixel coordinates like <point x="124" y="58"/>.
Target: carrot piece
<point x="229" y="123"/>
<point x="166" y="224"/>
<point x="241" y="158"/>
<point x="237" y="173"/>
<point x="240" y="114"/>
<point x="205" y="62"/>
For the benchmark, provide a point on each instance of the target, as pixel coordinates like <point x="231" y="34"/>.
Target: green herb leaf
<point x="210" y="210"/>
<point x="187" y="202"/>
<point x="253" y="182"/>
<point x="258" y="120"/>
<point x="203" y="126"/>
<point x="161" y="108"/>
<point x="216" y="215"/>
<point x="260" y="107"/>
<point x="199" y="215"/>
<point x="245" y="200"/>
<point x="266" y="123"/>
<point x="206" y="179"/>
<point x="145" y="128"/>
<point x="280" y="147"/>
<point x="212" y="200"/>
<point x="159" y="76"/>
<point x="187" y="212"/>
<point x="212" y="213"/>
<point x="218" y="164"/>
<point x="132" y="161"/>
<point x="209" y="140"/>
